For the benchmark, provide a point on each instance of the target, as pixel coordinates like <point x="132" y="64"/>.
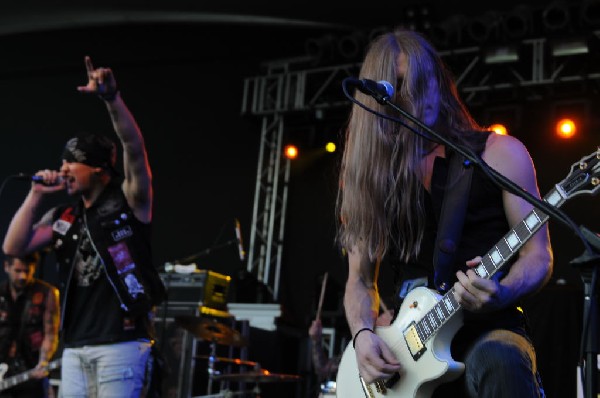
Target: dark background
<point x="181" y="69"/>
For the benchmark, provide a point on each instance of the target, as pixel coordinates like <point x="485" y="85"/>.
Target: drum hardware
<point x="257" y="377"/>
<point x="209" y="329"/>
<point x="234" y="361"/>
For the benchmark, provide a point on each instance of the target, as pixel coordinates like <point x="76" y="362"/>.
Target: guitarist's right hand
<point x="375" y="360"/>
<point x="40" y="371"/>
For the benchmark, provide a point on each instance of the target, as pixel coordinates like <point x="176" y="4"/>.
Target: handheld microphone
<point x="37" y="179"/>
<point x="238" y="236"/>
<point x="382" y="90"/>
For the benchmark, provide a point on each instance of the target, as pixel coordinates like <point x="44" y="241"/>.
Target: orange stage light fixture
<point x="499" y="129"/>
<point x="291" y="152"/>
<point x="566" y="128"/>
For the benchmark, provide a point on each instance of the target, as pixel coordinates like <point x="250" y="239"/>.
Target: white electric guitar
<point x="12" y="381"/>
<point x="420" y="336"/>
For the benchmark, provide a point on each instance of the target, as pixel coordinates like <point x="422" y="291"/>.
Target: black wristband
<point x="109" y="96"/>
<point x="357" y="333"/>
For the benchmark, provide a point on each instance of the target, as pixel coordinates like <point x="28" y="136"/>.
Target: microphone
<point x="238" y="236"/>
<point x="382" y="90"/>
<point x="37" y="179"/>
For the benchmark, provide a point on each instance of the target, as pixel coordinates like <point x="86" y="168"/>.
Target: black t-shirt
<point x="93" y="314"/>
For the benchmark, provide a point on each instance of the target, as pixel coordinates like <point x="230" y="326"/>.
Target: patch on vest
<point x="121" y="258"/>
<point x="61" y="226"/>
<point x="38" y="298"/>
<point x="122" y="233"/>
<point x="133" y="285"/>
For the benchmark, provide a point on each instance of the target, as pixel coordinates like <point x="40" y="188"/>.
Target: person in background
<point x="29" y="317"/>
<point x="324" y="367"/>
<point x="390" y="193"/>
<point x="102" y="244"/>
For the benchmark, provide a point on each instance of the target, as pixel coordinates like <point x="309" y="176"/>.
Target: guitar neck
<point x="25" y="376"/>
<point x="492" y="262"/>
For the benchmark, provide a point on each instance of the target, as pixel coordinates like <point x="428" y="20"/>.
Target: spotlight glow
<point x="291" y="152"/>
<point x="499" y="129"/>
<point x="566" y="128"/>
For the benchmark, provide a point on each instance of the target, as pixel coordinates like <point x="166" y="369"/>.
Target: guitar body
<point x="419" y="377"/>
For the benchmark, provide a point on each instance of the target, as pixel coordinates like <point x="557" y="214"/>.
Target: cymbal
<point x="234" y="361"/>
<point x="261" y="376"/>
<point x="210" y="330"/>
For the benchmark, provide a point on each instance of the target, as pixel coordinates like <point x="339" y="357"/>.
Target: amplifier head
<point x="202" y="288"/>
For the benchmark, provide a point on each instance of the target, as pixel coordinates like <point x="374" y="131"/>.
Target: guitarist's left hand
<point x="40" y="371"/>
<point x="477" y="294"/>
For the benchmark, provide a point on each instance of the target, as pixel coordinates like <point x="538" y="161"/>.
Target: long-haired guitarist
<point x="29" y="316"/>
<point x="392" y="186"/>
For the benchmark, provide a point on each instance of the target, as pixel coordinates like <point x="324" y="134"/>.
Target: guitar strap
<point x="452" y="219"/>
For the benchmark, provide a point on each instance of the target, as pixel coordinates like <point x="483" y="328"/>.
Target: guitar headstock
<point x="584" y="176"/>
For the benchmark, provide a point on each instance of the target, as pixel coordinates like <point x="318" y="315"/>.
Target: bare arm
<point x="51" y="321"/>
<point x="137" y="185"/>
<point x="361" y="301"/>
<point x="533" y="267"/>
<point x="23" y="236"/>
<point x="50" y="342"/>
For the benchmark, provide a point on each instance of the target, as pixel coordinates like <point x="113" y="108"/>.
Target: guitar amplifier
<point x="204" y="289"/>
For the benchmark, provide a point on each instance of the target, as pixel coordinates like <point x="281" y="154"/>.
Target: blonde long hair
<point x="380" y="190"/>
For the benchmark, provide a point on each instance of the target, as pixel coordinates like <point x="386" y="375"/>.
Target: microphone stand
<point x="589" y="261"/>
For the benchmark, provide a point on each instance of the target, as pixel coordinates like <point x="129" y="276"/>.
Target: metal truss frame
<point x="283" y="92"/>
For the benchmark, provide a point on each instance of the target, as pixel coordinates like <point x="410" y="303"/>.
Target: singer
<point x="391" y="195"/>
<point x="102" y="245"/>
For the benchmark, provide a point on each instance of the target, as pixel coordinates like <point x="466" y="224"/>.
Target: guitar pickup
<point x="413" y="341"/>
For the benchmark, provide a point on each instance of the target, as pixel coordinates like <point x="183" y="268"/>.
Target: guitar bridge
<point x="413" y="341"/>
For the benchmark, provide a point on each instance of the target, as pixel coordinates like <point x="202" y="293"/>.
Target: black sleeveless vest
<point x="26" y="327"/>
<point x="123" y="243"/>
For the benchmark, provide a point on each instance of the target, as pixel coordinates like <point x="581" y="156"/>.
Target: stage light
<point x="499" y="129"/>
<point x="448" y="32"/>
<point x="351" y="46"/>
<point x="566" y="128"/>
<point x="485" y="27"/>
<point x="590" y="13"/>
<point x="517" y="23"/>
<point x="556" y="16"/>
<point x="330" y="147"/>
<point x="501" y="55"/>
<point x="568" y="47"/>
<point x="320" y="49"/>
<point x="291" y="152"/>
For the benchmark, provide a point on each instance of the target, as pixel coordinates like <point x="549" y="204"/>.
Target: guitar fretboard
<point x="25" y="376"/>
<point x="497" y="257"/>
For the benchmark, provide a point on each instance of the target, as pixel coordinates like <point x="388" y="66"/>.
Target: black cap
<point x="91" y="149"/>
